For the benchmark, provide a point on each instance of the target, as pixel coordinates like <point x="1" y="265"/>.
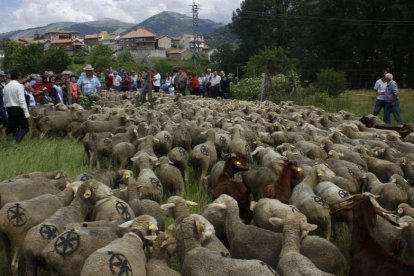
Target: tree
<point x="226" y="58"/>
<point x="26" y="59"/>
<point x="100" y="57"/>
<point x="125" y="61"/>
<point x="271" y="61"/>
<point x="56" y="60"/>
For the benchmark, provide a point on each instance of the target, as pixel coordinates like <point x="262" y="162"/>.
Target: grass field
<point x="34" y="154"/>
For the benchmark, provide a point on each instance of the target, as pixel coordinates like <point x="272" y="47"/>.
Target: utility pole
<point x="196" y="42"/>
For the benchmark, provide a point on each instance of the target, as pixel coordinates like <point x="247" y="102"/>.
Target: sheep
<point x="182" y="138"/>
<point x="150" y="185"/>
<point x="90" y="143"/>
<point x="122" y="153"/>
<point x="225" y="185"/>
<point x="16" y="218"/>
<point x="251" y="242"/>
<point x="13" y="190"/>
<point x="147" y="145"/>
<point x="391" y="238"/>
<point x="58" y="122"/>
<point x="239" y="145"/>
<point x="256" y="178"/>
<point x="291" y="262"/>
<point x="143" y="206"/>
<point x="123" y="256"/>
<point x="66" y="254"/>
<point x="347" y="170"/>
<point x="112" y="209"/>
<point x="164" y="247"/>
<point x="391" y="194"/>
<point x="171" y="178"/>
<point x="164" y="144"/>
<point x="402" y="183"/>
<point x="280" y="189"/>
<point x="179" y="156"/>
<point x="314" y="207"/>
<point x="109" y="178"/>
<point x="383" y="169"/>
<point x="211" y="180"/>
<point x="405" y="210"/>
<point x="40" y="235"/>
<point x="52" y="175"/>
<point x="201" y="261"/>
<point x="142" y="160"/>
<point x="367" y="256"/>
<point x="203" y="156"/>
<point x="103" y="126"/>
<point x="311" y="150"/>
<point x="266" y="208"/>
<point x="104" y="148"/>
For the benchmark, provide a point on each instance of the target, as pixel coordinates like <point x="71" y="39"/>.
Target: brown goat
<point x="367" y="255"/>
<point x="280" y="189"/>
<point x="226" y="185"/>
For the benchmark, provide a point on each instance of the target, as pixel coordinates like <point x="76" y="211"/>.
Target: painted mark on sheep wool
<point x="321" y="202"/>
<point x="269" y="267"/>
<point x="48" y="232"/>
<point x="182" y="151"/>
<point x="204" y="150"/>
<point x="351" y="173"/>
<point x="294" y="209"/>
<point x="156" y="183"/>
<point x="343" y="194"/>
<point x="86" y="177"/>
<point x="223" y="141"/>
<point x="119" y="265"/>
<point x="122" y="210"/>
<point x="16" y="215"/>
<point x="67" y="243"/>
<point x="167" y="137"/>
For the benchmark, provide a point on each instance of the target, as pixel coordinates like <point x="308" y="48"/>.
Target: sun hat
<point x="88" y="67"/>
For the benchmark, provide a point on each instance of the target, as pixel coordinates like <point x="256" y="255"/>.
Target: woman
<point x="74" y="89"/>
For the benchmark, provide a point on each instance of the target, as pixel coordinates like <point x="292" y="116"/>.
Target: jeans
<point x="17" y="124"/>
<point x="379" y="104"/>
<point x="394" y="110"/>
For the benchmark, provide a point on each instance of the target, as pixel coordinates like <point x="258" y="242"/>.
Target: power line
<point x="196" y="43"/>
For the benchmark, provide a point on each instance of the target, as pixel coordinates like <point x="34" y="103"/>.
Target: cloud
<point x="23" y="14"/>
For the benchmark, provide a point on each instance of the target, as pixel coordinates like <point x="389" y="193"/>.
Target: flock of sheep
<point x="275" y="172"/>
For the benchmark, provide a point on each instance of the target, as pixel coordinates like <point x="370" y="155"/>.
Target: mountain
<point x="176" y="24"/>
<point x="164" y="23"/>
<point x="221" y="36"/>
<point x="106" y="24"/>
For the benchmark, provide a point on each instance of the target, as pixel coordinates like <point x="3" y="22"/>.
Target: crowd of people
<point x="19" y="94"/>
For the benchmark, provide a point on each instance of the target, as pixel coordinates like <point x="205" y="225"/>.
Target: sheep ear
<point x="156" y="140"/>
<point x="252" y="205"/>
<point x="150" y="238"/>
<point x="133" y="159"/>
<point x="276" y="221"/>
<point x="141" y="139"/>
<point x="87" y="194"/>
<point x="308" y="227"/>
<point x="154" y="159"/>
<point x="126" y="224"/>
<point x="164" y="243"/>
<point x="219" y="206"/>
<point x="58" y="175"/>
<point x="167" y="206"/>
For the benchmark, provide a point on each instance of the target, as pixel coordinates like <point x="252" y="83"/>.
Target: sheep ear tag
<point x="191" y="203"/>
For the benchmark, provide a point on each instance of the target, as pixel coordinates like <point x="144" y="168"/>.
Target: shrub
<point x="331" y="81"/>
<point x="247" y="89"/>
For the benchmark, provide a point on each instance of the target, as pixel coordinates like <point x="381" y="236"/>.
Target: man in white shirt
<point x="380" y="87"/>
<point x="117" y="81"/>
<point x="215" y="85"/>
<point x="156" y="81"/>
<point x="17" y="111"/>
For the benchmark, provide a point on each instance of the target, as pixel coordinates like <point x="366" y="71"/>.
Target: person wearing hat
<point x="89" y="84"/>
<point x="3" y="113"/>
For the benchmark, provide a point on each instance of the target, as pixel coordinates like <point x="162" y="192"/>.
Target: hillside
<point x="175" y="24"/>
<point x="221" y="36"/>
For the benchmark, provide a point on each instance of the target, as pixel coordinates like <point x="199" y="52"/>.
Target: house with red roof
<point x="139" y="39"/>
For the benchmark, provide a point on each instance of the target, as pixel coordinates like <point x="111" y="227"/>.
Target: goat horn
<point x="376" y="204"/>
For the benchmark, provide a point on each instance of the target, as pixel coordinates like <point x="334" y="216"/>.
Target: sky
<point x="23" y="14"/>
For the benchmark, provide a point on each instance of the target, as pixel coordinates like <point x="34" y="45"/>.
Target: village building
<point x="139" y="39"/>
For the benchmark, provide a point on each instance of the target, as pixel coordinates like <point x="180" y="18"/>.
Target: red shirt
<point x="109" y="80"/>
<point x="194" y="83"/>
<point x="37" y="91"/>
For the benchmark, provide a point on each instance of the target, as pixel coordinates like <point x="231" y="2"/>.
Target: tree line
<point x="358" y="37"/>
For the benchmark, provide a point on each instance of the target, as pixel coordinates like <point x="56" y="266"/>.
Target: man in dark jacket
<point x="3" y="113"/>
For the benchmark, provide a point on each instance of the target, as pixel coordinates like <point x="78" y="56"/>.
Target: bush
<point x="247" y="89"/>
<point x="330" y="81"/>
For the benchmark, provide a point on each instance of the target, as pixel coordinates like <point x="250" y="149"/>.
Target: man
<point x="89" y="84"/>
<point x="224" y="85"/>
<point x="117" y="81"/>
<point x="3" y="114"/>
<point x="134" y="78"/>
<point x="15" y="103"/>
<point x="38" y="89"/>
<point x="109" y="79"/>
<point x="392" y="102"/>
<point x="146" y="85"/>
<point x="208" y="78"/>
<point x="156" y="81"/>
<point x="57" y="90"/>
<point x="379" y="87"/>
<point x="215" y="85"/>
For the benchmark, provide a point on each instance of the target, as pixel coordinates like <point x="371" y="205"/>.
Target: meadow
<point x="34" y="154"/>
